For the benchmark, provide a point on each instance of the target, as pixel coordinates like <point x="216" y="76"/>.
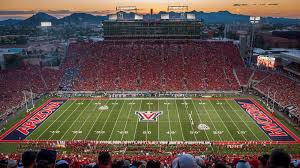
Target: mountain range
<point x="221" y="17"/>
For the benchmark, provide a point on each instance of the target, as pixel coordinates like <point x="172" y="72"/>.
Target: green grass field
<point x="179" y="121"/>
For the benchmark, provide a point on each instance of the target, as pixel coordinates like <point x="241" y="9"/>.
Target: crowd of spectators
<point x="27" y="78"/>
<point x="259" y="75"/>
<point x="150" y="65"/>
<point x="244" y="75"/>
<point x="284" y="90"/>
<point x="154" y="65"/>
<point x="50" y="158"/>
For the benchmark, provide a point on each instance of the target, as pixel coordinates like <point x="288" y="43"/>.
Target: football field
<point x="150" y="119"/>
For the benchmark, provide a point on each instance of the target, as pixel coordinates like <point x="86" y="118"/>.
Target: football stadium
<point x="154" y="91"/>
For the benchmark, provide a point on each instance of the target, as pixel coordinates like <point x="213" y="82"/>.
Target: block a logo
<point x="148" y="116"/>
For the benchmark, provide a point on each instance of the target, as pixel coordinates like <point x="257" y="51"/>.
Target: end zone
<point x="273" y="128"/>
<point x="26" y="126"/>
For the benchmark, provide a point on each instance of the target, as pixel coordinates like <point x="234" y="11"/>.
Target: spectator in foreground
<point x="46" y="159"/>
<point x="184" y="161"/>
<point x="220" y="164"/>
<point x="200" y="162"/>
<point x="12" y="164"/>
<point x="104" y="160"/>
<point x="295" y="164"/>
<point x="29" y="159"/>
<point x="262" y="161"/>
<point x="243" y="164"/>
<point x="279" y="159"/>
<point x="62" y="164"/>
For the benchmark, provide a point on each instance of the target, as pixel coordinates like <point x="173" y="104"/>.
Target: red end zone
<point x="268" y="123"/>
<point x="290" y="133"/>
<point x="276" y="120"/>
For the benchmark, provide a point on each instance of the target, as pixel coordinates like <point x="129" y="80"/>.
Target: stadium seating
<point x="150" y="65"/>
<point x="295" y="67"/>
<point x="244" y="75"/>
<point x="163" y="155"/>
<point x="154" y="65"/>
<point x="14" y="82"/>
<point x="285" y="90"/>
<point x="259" y="75"/>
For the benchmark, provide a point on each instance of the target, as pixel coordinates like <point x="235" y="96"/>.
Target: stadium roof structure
<point x="291" y="55"/>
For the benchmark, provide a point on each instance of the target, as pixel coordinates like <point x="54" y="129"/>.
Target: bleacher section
<point x="244" y="75"/>
<point x="14" y="82"/>
<point x="286" y="90"/>
<point x="155" y="65"/>
<point x="259" y="75"/>
<point x="149" y="65"/>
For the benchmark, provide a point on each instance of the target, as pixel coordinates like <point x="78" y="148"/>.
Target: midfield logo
<point x="148" y="116"/>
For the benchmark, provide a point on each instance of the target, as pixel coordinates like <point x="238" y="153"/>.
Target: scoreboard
<point x="265" y="61"/>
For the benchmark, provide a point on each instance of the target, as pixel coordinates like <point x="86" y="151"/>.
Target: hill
<point x="36" y="19"/>
<point x="221" y="17"/>
<point x="9" y="22"/>
<point x="79" y="18"/>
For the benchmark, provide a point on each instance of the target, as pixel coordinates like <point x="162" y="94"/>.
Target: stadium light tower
<point x="180" y="8"/>
<point x="253" y="20"/>
<point x="120" y="9"/>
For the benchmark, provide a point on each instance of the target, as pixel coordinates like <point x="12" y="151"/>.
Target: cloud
<point x="240" y="4"/>
<point x="16" y="12"/>
<point x="52" y="12"/>
<point x="262" y="4"/>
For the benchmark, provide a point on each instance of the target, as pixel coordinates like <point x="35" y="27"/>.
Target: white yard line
<point x="65" y="120"/>
<point x="211" y="119"/>
<point x="85" y="120"/>
<point x="179" y="121"/>
<point x="199" y="118"/>
<point x="169" y="120"/>
<point x="106" y="119"/>
<point x="117" y="119"/>
<point x="95" y="121"/>
<point x="146" y="98"/>
<point x="158" y="121"/>
<point x="126" y="121"/>
<point x="55" y="120"/>
<point x="232" y="120"/>
<point x="242" y="120"/>
<point x="149" y="109"/>
<point x="222" y="120"/>
<point x="186" y="111"/>
<point x="82" y="112"/>
<point x="137" y="121"/>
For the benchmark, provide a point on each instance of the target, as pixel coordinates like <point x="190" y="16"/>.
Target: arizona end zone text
<point x="23" y="129"/>
<point x="268" y="125"/>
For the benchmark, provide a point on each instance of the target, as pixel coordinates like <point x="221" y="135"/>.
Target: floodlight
<point x="112" y="17"/>
<point x="254" y="20"/>
<point x="164" y="16"/>
<point x="138" y="17"/>
<point x="191" y="16"/>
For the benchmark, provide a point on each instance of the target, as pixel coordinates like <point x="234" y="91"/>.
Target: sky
<point x="275" y="8"/>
